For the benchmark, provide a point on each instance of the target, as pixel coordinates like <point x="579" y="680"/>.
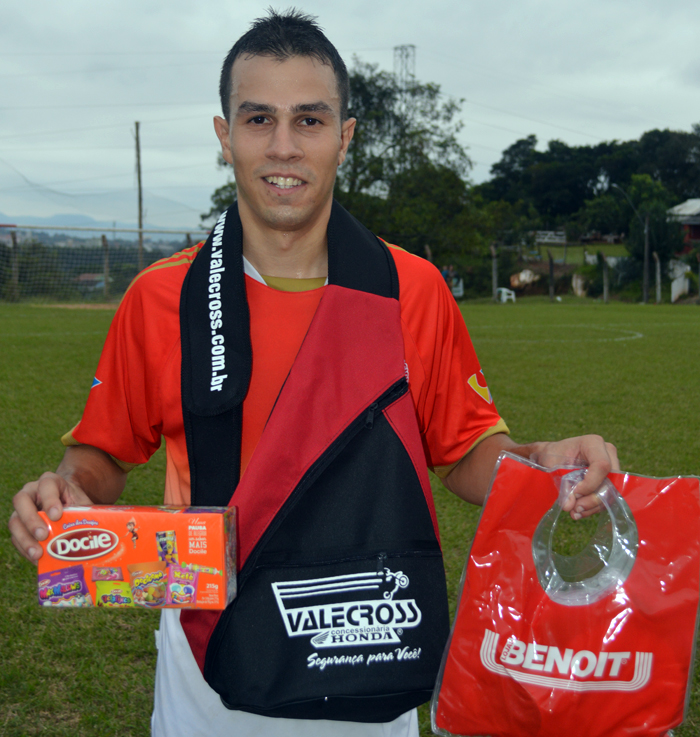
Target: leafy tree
<point x="606" y="214"/>
<point x="397" y="130"/>
<point x="512" y="176"/>
<point x="653" y="199"/>
<point x="562" y="180"/>
<point x="673" y="158"/>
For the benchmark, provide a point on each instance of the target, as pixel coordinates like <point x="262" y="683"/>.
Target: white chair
<point x="504" y="295"/>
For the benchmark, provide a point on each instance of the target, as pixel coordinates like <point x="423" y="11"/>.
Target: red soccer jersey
<point x="136" y="398"/>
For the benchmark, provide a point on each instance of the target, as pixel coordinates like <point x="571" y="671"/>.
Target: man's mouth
<point x="284" y="182"/>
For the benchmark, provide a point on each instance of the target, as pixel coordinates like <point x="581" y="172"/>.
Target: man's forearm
<point x="94" y="472"/>
<point x="471" y="477"/>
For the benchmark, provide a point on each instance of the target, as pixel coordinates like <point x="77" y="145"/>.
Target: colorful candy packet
<point x="107" y="574"/>
<point x="167" y="547"/>
<point x="182" y="586"/>
<point x="64" y="587"/>
<point x="114" y="594"/>
<point x="148" y="583"/>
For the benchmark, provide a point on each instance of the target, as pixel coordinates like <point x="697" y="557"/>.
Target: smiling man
<point x="309" y="373"/>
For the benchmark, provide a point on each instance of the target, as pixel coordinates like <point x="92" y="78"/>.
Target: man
<point x="327" y="321"/>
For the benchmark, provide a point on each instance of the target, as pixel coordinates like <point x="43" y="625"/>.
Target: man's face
<point x="285" y="139"/>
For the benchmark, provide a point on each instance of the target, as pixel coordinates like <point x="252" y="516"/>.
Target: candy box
<point x="149" y="557"/>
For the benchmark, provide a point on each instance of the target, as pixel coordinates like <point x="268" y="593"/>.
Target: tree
<point x="653" y="199"/>
<point x="397" y="130"/>
<point x="673" y="158"/>
<point x="564" y="180"/>
<point x="512" y="174"/>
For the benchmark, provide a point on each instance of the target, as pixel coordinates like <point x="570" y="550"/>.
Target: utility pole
<point x="138" y="177"/>
<point x="645" y="290"/>
<point x="494" y="272"/>
<point x="645" y="225"/>
<point x="658" y="278"/>
<point x="606" y="279"/>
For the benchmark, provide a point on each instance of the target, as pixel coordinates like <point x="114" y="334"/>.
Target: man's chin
<point x="289" y="218"/>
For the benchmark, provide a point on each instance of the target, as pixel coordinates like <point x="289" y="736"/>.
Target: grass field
<point x="628" y="372"/>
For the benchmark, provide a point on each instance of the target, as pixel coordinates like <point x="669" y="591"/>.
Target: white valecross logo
<point x="340" y="611"/>
<point x="566" y="669"/>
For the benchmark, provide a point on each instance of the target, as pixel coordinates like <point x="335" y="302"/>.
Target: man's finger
<point x="23" y="540"/>
<point x="27" y="505"/>
<point x="612" y="452"/>
<point x="25" y="524"/>
<point x="51" y="494"/>
<point x="586" y="506"/>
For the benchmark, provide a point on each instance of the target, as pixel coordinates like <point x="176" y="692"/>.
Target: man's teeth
<point x="284" y="182"/>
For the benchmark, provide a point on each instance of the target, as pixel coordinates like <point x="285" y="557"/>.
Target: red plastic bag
<point x="597" y="645"/>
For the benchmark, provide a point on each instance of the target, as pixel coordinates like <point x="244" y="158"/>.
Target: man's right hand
<point x="85" y="476"/>
<point x="49" y="493"/>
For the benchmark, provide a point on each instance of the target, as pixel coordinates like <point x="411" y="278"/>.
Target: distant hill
<point x="83" y="221"/>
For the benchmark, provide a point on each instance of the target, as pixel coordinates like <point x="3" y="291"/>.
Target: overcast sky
<point x="75" y="75"/>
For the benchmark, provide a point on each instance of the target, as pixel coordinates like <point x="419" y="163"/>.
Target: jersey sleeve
<point x="453" y="403"/>
<point x="123" y="415"/>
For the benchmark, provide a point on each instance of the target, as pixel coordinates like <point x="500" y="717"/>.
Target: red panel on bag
<point x="354" y="342"/>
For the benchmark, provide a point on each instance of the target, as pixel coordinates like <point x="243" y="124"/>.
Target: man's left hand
<point x="599" y="457"/>
<point x="471" y="477"/>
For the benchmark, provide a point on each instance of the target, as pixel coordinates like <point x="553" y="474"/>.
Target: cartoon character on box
<point x="133" y="530"/>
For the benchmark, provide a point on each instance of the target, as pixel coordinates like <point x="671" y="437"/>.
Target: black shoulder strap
<point x="215" y="338"/>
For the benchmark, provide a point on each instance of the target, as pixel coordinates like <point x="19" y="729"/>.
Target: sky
<point x="76" y="75"/>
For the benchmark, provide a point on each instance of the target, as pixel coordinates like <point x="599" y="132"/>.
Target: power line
<point x="111" y="105"/>
<point x="94" y="127"/>
<point x="102" y="70"/>
<point x="34" y="185"/>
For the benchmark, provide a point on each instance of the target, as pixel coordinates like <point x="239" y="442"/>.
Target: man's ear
<point x="222" y="133"/>
<point x="346" y="133"/>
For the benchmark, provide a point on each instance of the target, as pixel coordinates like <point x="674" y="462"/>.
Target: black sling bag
<point x="342" y="610"/>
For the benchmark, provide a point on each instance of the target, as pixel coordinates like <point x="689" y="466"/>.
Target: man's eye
<point x="310" y="121"/>
<point x="258" y="119"/>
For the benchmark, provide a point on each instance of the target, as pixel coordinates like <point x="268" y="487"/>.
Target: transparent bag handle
<point x="602" y="565"/>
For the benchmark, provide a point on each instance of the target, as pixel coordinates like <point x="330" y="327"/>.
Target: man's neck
<point x="295" y="254"/>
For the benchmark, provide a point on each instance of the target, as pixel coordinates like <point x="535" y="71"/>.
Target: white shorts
<point x="185" y="706"/>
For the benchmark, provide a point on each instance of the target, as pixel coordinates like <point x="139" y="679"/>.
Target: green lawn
<point x="628" y="372"/>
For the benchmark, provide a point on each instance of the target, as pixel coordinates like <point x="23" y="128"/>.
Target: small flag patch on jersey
<point x="95" y="382"/>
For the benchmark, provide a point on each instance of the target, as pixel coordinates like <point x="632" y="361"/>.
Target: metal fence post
<point x="105" y="265"/>
<point x="494" y="272"/>
<point x="13" y="292"/>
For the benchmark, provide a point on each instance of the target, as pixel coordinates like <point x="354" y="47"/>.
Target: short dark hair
<point x="283" y="35"/>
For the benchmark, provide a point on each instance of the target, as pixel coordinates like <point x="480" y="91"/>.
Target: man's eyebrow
<point x="255" y="107"/>
<point x="313" y="107"/>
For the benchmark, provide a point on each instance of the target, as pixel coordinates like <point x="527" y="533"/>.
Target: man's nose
<point x="284" y="143"/>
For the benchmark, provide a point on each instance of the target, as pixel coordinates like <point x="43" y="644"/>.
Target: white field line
<point x="625" y="334"/>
